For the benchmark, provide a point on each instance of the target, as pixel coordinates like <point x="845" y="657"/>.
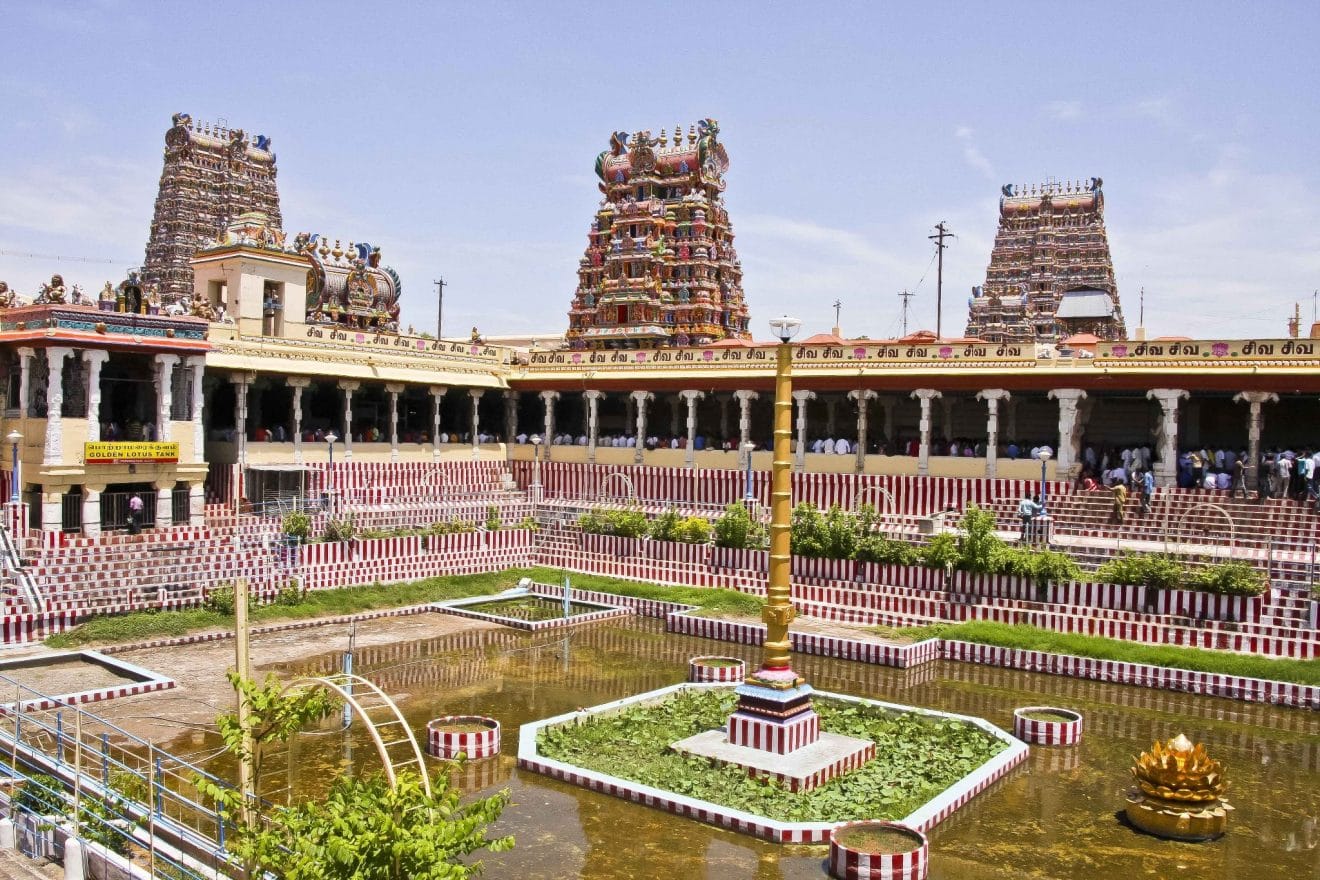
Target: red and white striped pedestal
<point x="780" y="737"/>
<point x="716" y="669"/>
<point x="856" y="862"/>
<point x="443" y="741"/>
<point x="1064" y="729"/>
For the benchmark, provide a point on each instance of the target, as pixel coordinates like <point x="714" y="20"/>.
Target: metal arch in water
<point x="632" y="489"/>
<point x="345" y="685"/>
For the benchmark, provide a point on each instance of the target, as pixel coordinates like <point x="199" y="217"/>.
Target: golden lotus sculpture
<point x="1179" y="793"/>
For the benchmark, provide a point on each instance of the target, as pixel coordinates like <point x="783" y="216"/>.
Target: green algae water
<point x="1054" y="817"/>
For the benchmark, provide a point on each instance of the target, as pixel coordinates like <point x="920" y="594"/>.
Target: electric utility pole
<point x="941" y="232"/>
<point x="905" y="296"/>
<point x="439" y="306"/>
<point x="838" y="304"/>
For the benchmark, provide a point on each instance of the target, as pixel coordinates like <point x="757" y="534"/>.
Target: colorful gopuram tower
<point x="212" y="175"/>
<point x="1050" y="274"/>
<point x="660" y="267"/>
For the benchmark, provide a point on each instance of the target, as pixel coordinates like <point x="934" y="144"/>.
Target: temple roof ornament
<point x="347" y="284"/>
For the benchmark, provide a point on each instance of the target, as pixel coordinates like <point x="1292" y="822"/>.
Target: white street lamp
<point x="14" y="439"/>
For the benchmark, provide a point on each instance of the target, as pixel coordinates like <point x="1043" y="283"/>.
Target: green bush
<point x="1157" y="570"/>
<point x="290" y="593"/>
<point x="43" y="795"/>
<point x="979" y="548"/>
<point x="529" y="523"/>
<point x="840" y="533"/>
<point x="808" y="531"/>
<point x="878" y="548"/>
<point x="340" y="529"/>
<point x="628" y="523"/>
<point x="867" y="518"/>
<point x="737" y="530"/>
<point x="1235" y="578"/>
<point x="298" y="525"/>
<point x="220" y="599"/>
<point x="941" y="552"/>
<point x="665" y="526"/>
<point x="1052" y="566"/>
<point x="693" y="530"/>
<point x="493" y="522"/>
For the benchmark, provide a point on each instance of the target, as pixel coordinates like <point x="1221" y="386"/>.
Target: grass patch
<point x="918" y="757"/>
<point x="142" y="625"/>
<point x="1048" y="715"/>
<point x="1096" y="647"/>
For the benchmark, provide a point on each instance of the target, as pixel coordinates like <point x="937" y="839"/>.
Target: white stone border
<point x="144" y="680"/>
<point x="923" y="819"/>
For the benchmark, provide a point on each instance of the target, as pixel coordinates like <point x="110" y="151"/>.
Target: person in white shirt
<point x="582" y="440"/>
<point x="816" y="445"/>
<point x="1222" y="480"/>
<point x="827" y="446"/>
<point x="841" y="446"/>
<point x="521" y="438"/>
<point x="953" y="447"/>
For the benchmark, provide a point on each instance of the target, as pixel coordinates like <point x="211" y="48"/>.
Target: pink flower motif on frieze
<point x="577" y="358"/>
<point x="421" y="345"/>
<point x="473" y="350"/>
<point x="859" y="354"/>
<point x="1120" y="351"/>
<point x="1220" y="349"/>
<point x="946" y="351"/>
<point x="641" y="356"/>
<point x="359" y="338"/>
<point x="708" y="355"/>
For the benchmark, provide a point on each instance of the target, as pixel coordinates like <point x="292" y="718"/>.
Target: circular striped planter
<point x="1063" y="730"/>
<point x="447" y="736"/>
<point x="716" y="669"/>
<point x="852" y="858"/>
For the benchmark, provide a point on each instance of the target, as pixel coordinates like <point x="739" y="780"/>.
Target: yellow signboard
<point x="113" y="452"/>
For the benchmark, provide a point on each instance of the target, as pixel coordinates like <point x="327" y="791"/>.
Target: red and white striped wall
<point x="443" y="742"/>
<point x="716" y="669"/>
<point x="780" y="737"/>
<point x="1063" y="731"/>
<point x="847" y="863"/>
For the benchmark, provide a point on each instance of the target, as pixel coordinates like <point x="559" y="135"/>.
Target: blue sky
<point x="461" y="137"/>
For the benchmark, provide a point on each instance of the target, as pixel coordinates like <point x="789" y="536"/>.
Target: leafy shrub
<point x="665" y="526"/>
<point x="978" y="546"/>
<point x="840" y="533"/>
<point x="220" y="599"/>
<point x="529" y="523"/>
<point x="41" y="794"/>
<point x="941" y="552"/>
<point x="878" y="548"/>
<point x="627" y="523"/>
<point x="737" y="530"/>
<point x="808" y="532"/>
<point x="866" y="518"/>
<point x="1053" y="566"/>
<point x="1157" y="570"/>
<point x="340" y="529"/>
<point x="1235" y="578"/>
<point x="298" y="525"/>
<point x="493" y="518"/>
<point x="693" y="530"/>
<point x="449" y="527"/>
<point x="290" y="593"/>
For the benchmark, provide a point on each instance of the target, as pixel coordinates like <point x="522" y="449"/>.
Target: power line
<point x="57" y="257"/>
<point x="905" y="296"/>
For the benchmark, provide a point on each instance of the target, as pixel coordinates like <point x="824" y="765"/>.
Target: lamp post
<point x="1044" y="454"/>
<point x="536" y="468"/>
<point x="776" y="665"/>
<point x="748" y="497"/>
<point x="330" y="439"/>
<point x="14" y="439"/>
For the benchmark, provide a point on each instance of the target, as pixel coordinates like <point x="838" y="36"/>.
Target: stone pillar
<point x="94" y="358"/>
<point x="197" y="503"/>
<point x="641" y="398"/>
<point x="946" y="423"/>
<point x="1255" y="424"/>
<point x="165" y="364"/>
<point x="52" y="510"/>
<point x="725" y="400"/>
<point x="675" y="416"/>
<point x="198" y="366"/>
<point x="394" y="389"/>
<point x="830" y="425"/>
<point x="437" y="392"/>
<point x="54" y="447"/>
<point x="241" y="383"/>
<point x="91" y="512"/>
<point x="298" y="383"/>
<point x="348" y="387"/>
<point x="1166" y="435"/>
<point x="745" y="399"/>
<point x="925" y="395"/>
<point x="887" y="403"/>
<point x="863" y="398"/>
<point x="475" y="394"/>
<point x="800" y="457"/>
<point x="548" y="399"/>
<point x="992" y="396"/>
<point x="691" y="397"/>
<point x="1070" y="429"/>
<point x="629" y="414"/>
<point x="25" y="356"/>
<point x="593" y="421"/>
<point x="510" y="416"/>
<point x="164" y="509"/>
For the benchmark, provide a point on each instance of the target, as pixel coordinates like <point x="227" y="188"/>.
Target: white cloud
<point x="972" y="155"/>
<point x="1064" y="111"/>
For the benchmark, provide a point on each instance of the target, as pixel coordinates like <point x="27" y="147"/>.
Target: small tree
<point x="979" y="547"/>
<point x="736" y="529"/>
<point x="493" y="522"/>
<point x="298" y="525"/>
<point x="665" y="526"/>
<point x="808" y="533"/>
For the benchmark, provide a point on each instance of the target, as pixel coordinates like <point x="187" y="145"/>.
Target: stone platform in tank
<point x="924" y="817"/>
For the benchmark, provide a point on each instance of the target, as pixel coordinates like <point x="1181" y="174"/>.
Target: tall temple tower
<point x="1050" y="273"/>
<point x="212" y="175"/>
<point x="660" y="267"/>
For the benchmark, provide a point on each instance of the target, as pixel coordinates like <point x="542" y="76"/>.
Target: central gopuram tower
<point x="660" y="268"/>
<point x="212" y="175"/>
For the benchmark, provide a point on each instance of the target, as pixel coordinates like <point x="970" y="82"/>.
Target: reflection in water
<point x="1053" y="817"/>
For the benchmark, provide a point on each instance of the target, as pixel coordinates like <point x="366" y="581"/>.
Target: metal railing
<point x="115" y="510"/>
<point x="71" y="513"/>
